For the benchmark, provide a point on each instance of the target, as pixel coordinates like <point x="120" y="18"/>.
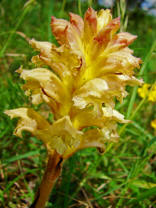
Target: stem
<point x="50" y="12"/>
<point x="63" y="6"/>
<point x="134" y="92"/>
<point x="133" y="115"/>
<point x="25" y="11"/>
<point x="51" y="174"/>
<point x="79" y="8"/>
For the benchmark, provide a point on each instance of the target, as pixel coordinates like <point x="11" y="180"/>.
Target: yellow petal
<point x="106" y="34"/>
<point x="103" y="19"/>
<point x="68" y="33"/>
<point x="114" y="115"/>
<point x="121" y="61"/>
<point x="103" y="90"/>
<point x="124" y="58"/>
<point x="42" y="46"/>
<point x="44" y="58"/>
<point x="45" y="85"/>
<point x="59" y="136"/>
<point x="77" y="22"/>
<point x="90" y="141"/>
<point x="90" y="24"/>
<point x="102" y="136"/>
<point x="65" y="62"/>
<point x="87" y="118"/>
<point x="49" y="83"/>
<point x="91" y="117"/>
<point x="92" y="89"/>
<point x="153" y="124"/>
<point x="60" y="29"/>
<point x="33" y="124"/>
<point x="120" y="40"/>
<point x="152" y="96"/>
<point x="129" y="80"/>
<point x="40" y="61"/>
<point x="63" y="136"/>
<point x="152" y="93"/>
<point x="144" y="90"/>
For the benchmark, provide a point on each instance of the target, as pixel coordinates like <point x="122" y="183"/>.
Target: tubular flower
<point x="87" y="72"/>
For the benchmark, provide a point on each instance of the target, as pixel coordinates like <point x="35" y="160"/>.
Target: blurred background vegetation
<point x="124" y="176"/>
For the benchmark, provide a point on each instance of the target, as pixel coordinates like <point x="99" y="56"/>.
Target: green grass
<point x="122" y="177"/>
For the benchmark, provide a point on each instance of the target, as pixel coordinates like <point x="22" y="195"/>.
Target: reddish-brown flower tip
<point x="77" y="22"/>
<point x="90" y="20"/>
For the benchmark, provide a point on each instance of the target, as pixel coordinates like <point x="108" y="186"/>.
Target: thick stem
<point x="52" y="172"/>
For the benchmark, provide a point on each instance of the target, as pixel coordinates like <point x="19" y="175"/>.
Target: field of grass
<point x="125" y="175"/>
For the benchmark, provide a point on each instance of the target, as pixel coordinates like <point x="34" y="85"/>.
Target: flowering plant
<point x="86" y="74"/>
<point x="148" y="91"/>
<point x="145" y="92"/>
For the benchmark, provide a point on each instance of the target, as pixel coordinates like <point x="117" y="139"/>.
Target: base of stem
<point x="53" y="171"/>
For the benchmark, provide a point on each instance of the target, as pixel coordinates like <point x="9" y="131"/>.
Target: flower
<point x="152" y="93"/>
<point x="87" y="72"/>
<point x="153" y="124"/>
<point x="144" y="91"/>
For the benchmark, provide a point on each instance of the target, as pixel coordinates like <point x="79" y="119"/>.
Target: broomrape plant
<point x="87" y="73"/>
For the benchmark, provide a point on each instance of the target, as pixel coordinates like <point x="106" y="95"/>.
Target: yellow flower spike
<point x="144" y="90"/>
<point x="91" y="67"/>
<point x="153" y="124"/>
<point x="87" y="73"/>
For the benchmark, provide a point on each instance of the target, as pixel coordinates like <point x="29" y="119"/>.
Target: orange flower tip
<point x="105" y="34"/>
<point x="90" y="13"/>
<point x="53" y="19"/>
<point x="59" y="29"/>
<point x="91" y="18"/>
<point x="76" y="21"/>
<point x="134" y="37"/>
<point x="117" y="20"/>
<point x="115" y="23"/>
<point x="125" y="38"/>
<point x="74" y="18"/>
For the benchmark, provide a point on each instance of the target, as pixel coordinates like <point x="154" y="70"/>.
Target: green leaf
<point x="144" y="195"/>
<point x="143" y="184"/>
<point x="19" y="157"/>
